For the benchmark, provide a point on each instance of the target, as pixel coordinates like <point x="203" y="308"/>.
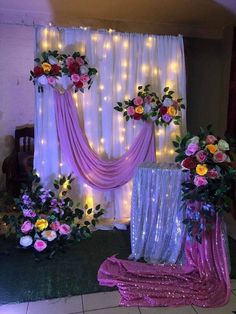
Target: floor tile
<point x="227" y="309"/>
<point x="18" y="308"/>
<point x="100" y="300"/>
<point x="167" y="310"/>
<point x="56" y="306"/>
<point x="116" y="310"/>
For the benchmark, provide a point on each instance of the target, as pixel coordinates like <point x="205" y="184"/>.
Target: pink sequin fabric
<point x="202" y="281"/>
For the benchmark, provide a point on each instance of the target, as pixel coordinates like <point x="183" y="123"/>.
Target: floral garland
<point x="53" y="65"/>
<point x="147" y="106"/>
<point x="48" y="219"/>
<point x="206" y="158"/>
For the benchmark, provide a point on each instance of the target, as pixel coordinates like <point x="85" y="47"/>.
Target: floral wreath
<point x="147" y="106"/>
<point x="52" y="65"/>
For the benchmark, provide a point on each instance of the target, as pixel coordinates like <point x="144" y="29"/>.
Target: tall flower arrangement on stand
<point x="48" y="219"/>
<point x="207" y="160"/>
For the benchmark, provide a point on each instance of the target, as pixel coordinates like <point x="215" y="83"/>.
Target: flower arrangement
<point x="147" y="106"/>
<point x="48" y="219"/>
<point x="53" y="65"/>
<point x="206" y="158"/>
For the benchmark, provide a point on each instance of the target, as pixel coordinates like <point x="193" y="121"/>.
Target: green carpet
<point x="70" y="273"/>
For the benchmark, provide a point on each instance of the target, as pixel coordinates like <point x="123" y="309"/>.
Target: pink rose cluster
<point x="203" y="158"/>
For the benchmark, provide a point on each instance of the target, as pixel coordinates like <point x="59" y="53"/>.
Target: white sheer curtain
<point x="123" y="61"/>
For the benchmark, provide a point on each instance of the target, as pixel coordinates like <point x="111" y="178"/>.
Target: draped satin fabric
<point x="98" y="173"/>
<point x="202" y="281"/>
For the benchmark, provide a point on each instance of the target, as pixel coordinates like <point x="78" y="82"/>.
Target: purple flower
<point x="54" y="202"/>
<point x="29" y="213"/>
<point x="200" y="181"/>
<point x="167" y="118"/>
<point x="191" y="149"/>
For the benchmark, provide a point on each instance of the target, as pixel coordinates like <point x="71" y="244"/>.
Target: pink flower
<point x="200" y="181"/>
<point x="29" y="213"/>
<point x="79" y="60"/>
<point x="40" y="245"/>
<point x="27" y="226"/>
<point x="84" y="78"/>
<point x="52" y="80"/>
<point x="138" y="101"/>
<point x="212" y="173"/>
<point x="210" y="139"/>
<point x="64" y="229"/>
<point x="69" y="61"/>
<point x="201" y="155"/>
<point x="55" y="225"/>
<point x="148" y="99"/>
<point x="49" y="235"/>
<point x="130" y="110"/>
<point x="75" y="77"/>
<point x="191" y="149"/>
<point x="219" y="156"/>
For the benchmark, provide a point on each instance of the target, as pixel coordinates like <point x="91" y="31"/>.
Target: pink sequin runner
<point x="202" y="281"/>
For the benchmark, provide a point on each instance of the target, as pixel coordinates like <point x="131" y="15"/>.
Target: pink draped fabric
<point x="202" y="281"/>
<point x="86" y="163"/>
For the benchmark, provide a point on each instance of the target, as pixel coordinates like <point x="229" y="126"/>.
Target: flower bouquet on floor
<point x="207" y="159"/>
<point x="48" y="219"/>
<point x="147" y="106"/>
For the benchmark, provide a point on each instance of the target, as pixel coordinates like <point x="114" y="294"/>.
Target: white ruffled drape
<point x="123" y="61"/>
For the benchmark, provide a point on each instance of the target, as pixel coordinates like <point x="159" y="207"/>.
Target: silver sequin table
<point x="157" y="231"/>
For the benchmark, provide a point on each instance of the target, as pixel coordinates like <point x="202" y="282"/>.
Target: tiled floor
<point x="106" y="303"/>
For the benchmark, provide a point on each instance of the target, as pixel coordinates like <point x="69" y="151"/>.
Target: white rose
<point x="26" y="241"/>
<point x="194" y="139"/>
<point x="52" y="60"/>
<point x="84" y="69"/>
<point x="147" y="108"/>
<point x="153" y="105"/>
<point x="167" y="102"/>
<point x="43" y="80"/>
<point x="223" y="145"/>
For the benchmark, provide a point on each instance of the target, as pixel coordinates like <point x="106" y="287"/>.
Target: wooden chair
<point x="19" y="164"/>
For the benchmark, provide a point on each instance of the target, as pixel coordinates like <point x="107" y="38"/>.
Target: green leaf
<point x="89" y="211"/>
<point x="140" y="87"/>
<point x="176" y="144"/>
<point x="166" y="89"/>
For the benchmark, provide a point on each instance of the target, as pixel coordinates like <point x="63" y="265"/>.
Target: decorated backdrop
<point x="124" y="61"/>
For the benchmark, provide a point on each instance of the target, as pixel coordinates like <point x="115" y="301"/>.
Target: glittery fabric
<point x="157" y="212"/>
<point x="203" y="280"/>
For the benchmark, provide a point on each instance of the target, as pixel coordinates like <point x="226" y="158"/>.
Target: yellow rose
<point x="46" y="67"/>
<point x="139" y="109"/>
<point x="212" y="148"/>
<point x="41" y="224"/>
<point x="171" y="111"/>
<point x="201" y="169"/>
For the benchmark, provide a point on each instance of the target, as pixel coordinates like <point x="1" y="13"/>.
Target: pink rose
<point x="175" y="104"/>
<point x="130" y="110"/>
<point x="75" y="77"/>
<point x="79" y="60"/>
<point x="200" y="181"/>
<point x="191" y="149"/>
<point x="40" y="245"/>
<point x="64" y="229"/>
<point x="210" y="139"/>
<point x="219" y="156"/>
<point x="69" y="61"/>
<point x="27" y="226"/>
<point x="49" y="235"/>
<point x="52" y="80"/>
<point x="84" y="78"/>
<point x="138" y="101"/>
<point x="55" y="225"/>
<point x="212" y="173"/>
<point x="148" y="99"/>
<point x="29" y="213"/>
<point x="201" y="155"/>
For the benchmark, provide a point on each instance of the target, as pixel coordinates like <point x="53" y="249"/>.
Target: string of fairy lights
<point x="51" y="34"/>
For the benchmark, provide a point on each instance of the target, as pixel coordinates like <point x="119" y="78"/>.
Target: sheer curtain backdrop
<point x="123" y="61"/>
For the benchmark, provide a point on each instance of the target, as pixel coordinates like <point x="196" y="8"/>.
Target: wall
<point x="17" y="93"/>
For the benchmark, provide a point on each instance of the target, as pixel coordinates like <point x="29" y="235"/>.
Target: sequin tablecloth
<point x="157" y="231"/>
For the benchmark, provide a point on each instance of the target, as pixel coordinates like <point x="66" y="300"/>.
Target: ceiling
<point x="206" y="18"/>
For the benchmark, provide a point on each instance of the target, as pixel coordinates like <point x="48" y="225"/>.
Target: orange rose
<point x="171" y="111"/>
<point x="212" y="148"/>
<point x="139" y="109"/>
